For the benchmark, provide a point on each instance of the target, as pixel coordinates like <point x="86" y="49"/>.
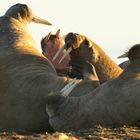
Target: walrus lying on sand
<point x="114" y="103"/>
<point x="26" y="76"/>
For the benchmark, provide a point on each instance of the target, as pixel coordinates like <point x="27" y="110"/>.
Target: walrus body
<point x="23" y="79"/>
<point x="21" y="82"/>
<point x="113" y="103"/>
<point x="26" y="76"/>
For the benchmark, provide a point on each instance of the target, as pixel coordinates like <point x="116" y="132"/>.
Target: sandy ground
<point x="96" y="133"/>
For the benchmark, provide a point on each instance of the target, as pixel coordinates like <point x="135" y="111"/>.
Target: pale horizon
<point x="112" y="24"/>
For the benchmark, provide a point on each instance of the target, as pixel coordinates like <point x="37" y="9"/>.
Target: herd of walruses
<point x="72" y="84"/>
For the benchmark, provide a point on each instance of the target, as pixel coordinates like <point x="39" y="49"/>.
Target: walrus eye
<point x="86" y="42"/>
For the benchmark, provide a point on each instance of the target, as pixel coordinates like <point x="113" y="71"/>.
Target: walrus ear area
<point x="55" y="99"/>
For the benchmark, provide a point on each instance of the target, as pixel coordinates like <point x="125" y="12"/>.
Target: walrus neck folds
<point x="105" y="67"/>
<point x="15" y="25"/>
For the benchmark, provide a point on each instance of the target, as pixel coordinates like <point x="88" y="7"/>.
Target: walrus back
<point x="25" y="76"/>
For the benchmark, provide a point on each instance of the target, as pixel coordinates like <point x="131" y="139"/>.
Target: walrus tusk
<point x="123" y="55"/>
<point x="68" y="91"/>
<point x="40" y="20"/>
<point x="66" y="54"/>
<point x="69" y="87"/>
<point x="58" y="53"/>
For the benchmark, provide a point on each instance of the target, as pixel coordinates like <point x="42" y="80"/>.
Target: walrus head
<point x="133" y="53"/>
<point x="72" y="43"/>
<point x="24" y="14"/>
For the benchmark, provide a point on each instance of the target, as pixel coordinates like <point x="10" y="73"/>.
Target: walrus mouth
<point x="40" y="20"/>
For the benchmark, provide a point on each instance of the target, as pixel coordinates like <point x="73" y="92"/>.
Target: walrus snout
<point x="24" y="14"/>
<point x="54" y="100"/>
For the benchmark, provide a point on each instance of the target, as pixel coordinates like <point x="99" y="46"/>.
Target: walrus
<point x="82" y="49"/>
<point x="50" y="44"/>
<point x="113" y="103"/>
<point x="26" y="75"/>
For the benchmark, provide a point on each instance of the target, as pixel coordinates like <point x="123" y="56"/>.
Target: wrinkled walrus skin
<point x="26" y="76"/>
<point x="23" y="79"/>
<point x="82" y="49"/>
<point x="113" y="103"/>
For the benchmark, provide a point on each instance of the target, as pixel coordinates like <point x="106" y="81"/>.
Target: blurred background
<point x="113" y="24"/>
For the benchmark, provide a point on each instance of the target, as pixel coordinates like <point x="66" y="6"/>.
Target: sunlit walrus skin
<point x="26" y="76"/>
<point x="22" y="70"/>
<point x="82" y="49"/>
